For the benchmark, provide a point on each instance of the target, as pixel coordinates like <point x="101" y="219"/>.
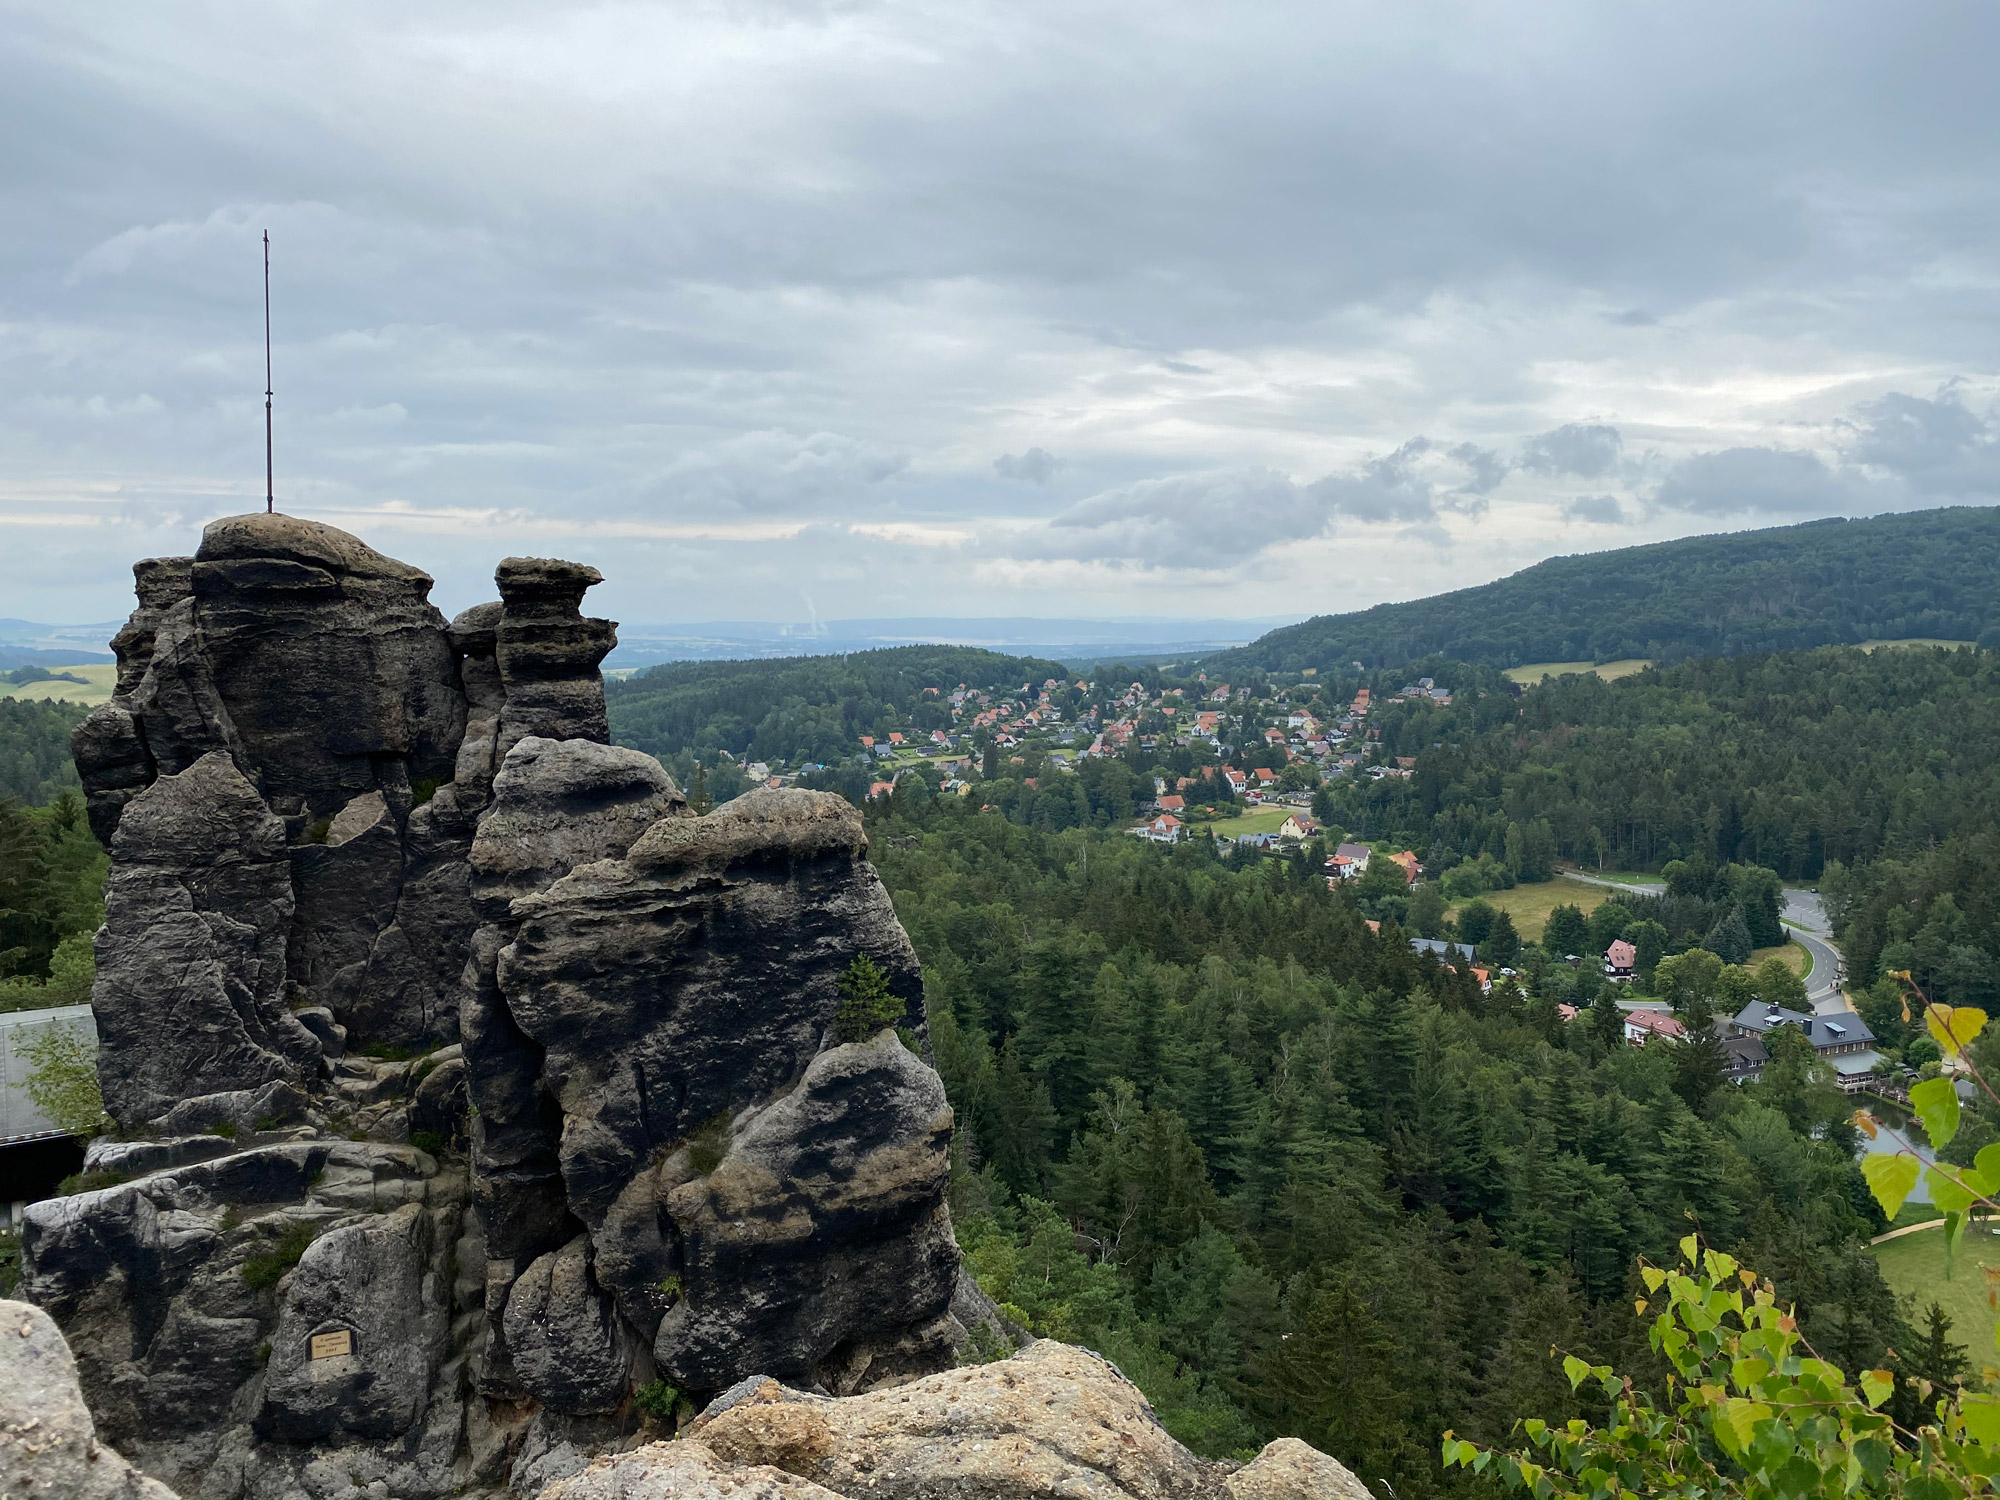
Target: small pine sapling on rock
<point x="866" y="1005"/>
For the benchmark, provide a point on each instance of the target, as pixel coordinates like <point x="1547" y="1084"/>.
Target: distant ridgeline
<point x="802" y="708"/>
<point x="1929" y="574"/>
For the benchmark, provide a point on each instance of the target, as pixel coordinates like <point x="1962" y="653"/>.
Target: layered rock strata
<point x="469" y="1081"/>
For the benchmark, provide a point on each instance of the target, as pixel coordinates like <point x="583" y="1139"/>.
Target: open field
<point x="1914" y="1266"/>
<point x="99" y="678"/>
<point x="1610" y="671"/>
<point x="1530" y="905"/>
<point x="1794" y="955"/>
<point x="1261" y="820"/>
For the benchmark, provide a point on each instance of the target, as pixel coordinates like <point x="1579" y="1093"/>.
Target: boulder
<point x="48" y="1443"/>
<point x="822" y="1226"/>
<point x="360" y="1334"/>
<point x="568" y="1343"/>
<point x="1291" y="1470"/>
<point x="296" y="616"/>
<point x="682" y="1471"/>
<point x="190" y="988"/>
<point x="1052" y="1421"/>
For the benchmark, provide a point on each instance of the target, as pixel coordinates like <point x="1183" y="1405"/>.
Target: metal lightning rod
<point x="270" y="499"/>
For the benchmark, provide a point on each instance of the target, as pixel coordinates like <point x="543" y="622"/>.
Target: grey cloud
<point x="776" y="259"/>
<point x="1588" y="451"/>
<point x="1736" y="481"/>
<point x="773" y="473"/>
<point x="1036" y="466"/>
<point x="1940" y="448"/>
<point x="1188" y="520"/>
<point x="1414" y="484"/>
<point x="1223" y="517"/>
<point x="1597" y="510"/>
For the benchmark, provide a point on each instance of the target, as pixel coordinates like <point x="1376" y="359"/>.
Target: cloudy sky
<point x="1034" y="309"/>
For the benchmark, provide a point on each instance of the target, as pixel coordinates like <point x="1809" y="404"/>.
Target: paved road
<point x="1804" y="915"/>
<point x="1637" y="888"/>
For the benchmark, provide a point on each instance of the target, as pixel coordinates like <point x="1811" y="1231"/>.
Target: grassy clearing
<point x="1914" y="1267"/>
<point x="1530" y="905"/>
<point x="1610" y="671"/>
<point x="1263" y="820"/>
<point x="99" y="678"/>
<point x="1794" y="956"/>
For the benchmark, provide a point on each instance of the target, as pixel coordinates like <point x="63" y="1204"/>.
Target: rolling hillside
<point x="1920" y="574"/>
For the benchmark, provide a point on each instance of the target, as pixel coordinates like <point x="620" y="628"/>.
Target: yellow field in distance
<point x="99" y="678"/>
<point x="1610" y="671"/>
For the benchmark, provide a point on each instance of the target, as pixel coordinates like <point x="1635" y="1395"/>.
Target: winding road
<point x="1804" y="916"/>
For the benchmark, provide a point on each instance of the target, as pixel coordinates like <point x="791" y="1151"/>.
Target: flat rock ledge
<point x="1053" y="1422"/>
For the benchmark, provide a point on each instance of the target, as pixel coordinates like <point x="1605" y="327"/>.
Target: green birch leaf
<point x="1891" y="1179"/>
<point x="1936" y="1102"/>
<point x="1946" y="1192"/>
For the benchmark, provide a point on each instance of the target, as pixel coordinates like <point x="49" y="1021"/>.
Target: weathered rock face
<point x="546" y="655"/>
<point x="319" y="669"/>
<point x="192" y="1294"/>
<point x="191" y="957"/>
<point x="294" y="617"/>
<point x="663" y="1075"/>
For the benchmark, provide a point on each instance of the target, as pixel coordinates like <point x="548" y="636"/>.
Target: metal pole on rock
<point x="270" y="500"/>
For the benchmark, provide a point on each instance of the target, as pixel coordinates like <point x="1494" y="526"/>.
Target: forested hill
<point x="1932" y="574"/>
<point x="34" y="749"/>
<point x="800" y="708"/>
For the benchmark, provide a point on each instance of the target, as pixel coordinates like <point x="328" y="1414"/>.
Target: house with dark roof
<point x="1438" y="948"/>
<point x="1743" y="1058"/>
<point x="1843" y="1038"/>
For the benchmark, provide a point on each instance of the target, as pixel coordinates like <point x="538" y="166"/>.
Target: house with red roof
<point x="1619" y="959"/>
<point x="1643" y="1026"/>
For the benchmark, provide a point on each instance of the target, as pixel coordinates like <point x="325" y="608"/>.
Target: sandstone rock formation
<point x="1051" y="1423"/>
<point x="48" y="1444"/>
<point x="468" y="1080"/>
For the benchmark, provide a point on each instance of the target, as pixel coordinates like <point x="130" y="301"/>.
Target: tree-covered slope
<point x="1920" y="574"/>
<point x="34" y="749"/>
<point x="805" y="707"/>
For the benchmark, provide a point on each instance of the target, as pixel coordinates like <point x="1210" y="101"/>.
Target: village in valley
<point x="1253" y="769"/>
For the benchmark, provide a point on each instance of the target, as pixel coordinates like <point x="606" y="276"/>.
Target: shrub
<point x="62" y="1078"/>
<point x="266" y="1268"/>
<point x="429" y="1141"/>
<point x="90" y="1182"/>
<point x="708" y="1145"/>
<point x="866" y="1005"/>
<point x="657" y="1400"/>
